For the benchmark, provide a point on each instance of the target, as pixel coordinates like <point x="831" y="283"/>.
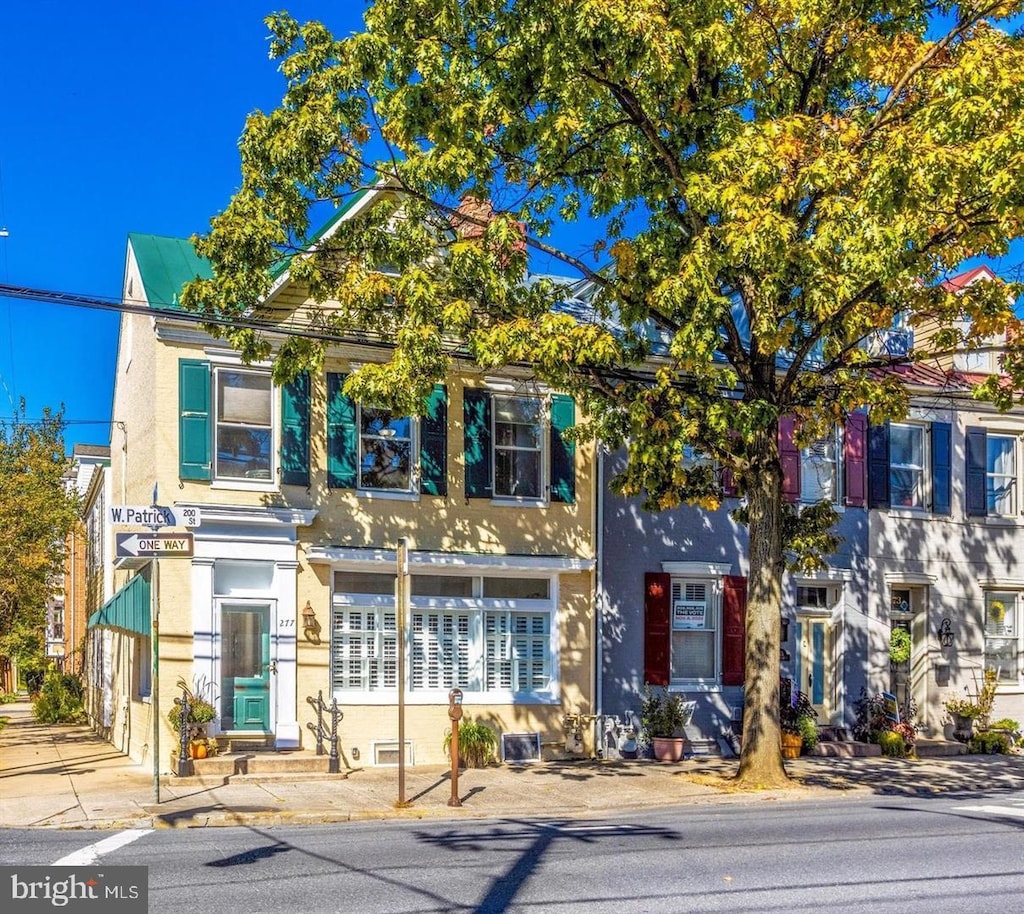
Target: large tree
<point x="37" y="511"/>
<point x="745" y="191"/>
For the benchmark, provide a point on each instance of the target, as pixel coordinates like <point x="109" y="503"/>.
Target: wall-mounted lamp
<point x="310" y="626"/>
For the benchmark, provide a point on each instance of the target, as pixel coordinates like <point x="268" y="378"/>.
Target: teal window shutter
<point x="193" y="419"/>
<point x="342" y="435"/>
<point x="563" y="451"/>
<point x="477" y="442"/>
<point x="295" y="431"/>
<point x="434" y="443"/>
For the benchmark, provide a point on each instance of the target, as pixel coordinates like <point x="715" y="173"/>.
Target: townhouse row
<point x="545" y="598"/>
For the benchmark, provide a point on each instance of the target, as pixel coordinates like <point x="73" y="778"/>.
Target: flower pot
<point x="963" y="728"/>
<point x="668" y="748"/>
<point x="792" y="745"/>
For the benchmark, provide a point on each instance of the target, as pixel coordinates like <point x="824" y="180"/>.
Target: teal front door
<point x="245" y="667"/>
<point x="812" y="663"/>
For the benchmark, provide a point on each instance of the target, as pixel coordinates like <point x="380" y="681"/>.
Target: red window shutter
<point x="728" y="483"/>
<point x="657" y="626"/>
<point x="789" y="457"/>
<point x="855" y="459"/>
<point x="734" y="618"/>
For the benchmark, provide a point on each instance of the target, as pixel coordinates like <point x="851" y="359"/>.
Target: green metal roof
<point x="165" y="265"/>
<point x="128" y="609"/>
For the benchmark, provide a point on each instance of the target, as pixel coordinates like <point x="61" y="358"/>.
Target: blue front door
<point x="245" y="667"/>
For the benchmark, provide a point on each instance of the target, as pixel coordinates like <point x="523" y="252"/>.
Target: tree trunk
<point x="761" y="754"/>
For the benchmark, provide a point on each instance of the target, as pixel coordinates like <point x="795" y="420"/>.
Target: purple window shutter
<point x="657" y="627"/>
<point x="734" y="622"/>
<point x="854" y="459"/>
<point x="789" y="457"/>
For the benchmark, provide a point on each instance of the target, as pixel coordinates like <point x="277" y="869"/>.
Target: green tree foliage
<point x="738" y="181"/>
<point x="36" y="513"/>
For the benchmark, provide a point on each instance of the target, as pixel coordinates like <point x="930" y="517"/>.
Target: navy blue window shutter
<point x="434" y="443"/>
<point x="295" y="431"/>
<point x="477" y="442"/>
<point x="878" y="466"/>
<point x="194" y="419"/>
<point x="342" y="435"/>
<point x="942" y="467"/>
<point x="563" y="451"/>
<point x="976" y="445"/>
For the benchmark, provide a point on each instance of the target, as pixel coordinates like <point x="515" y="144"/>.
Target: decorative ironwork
<point x="324" y="732"/>
<point x="185" y="766"/>
<point x="946" y="633"/>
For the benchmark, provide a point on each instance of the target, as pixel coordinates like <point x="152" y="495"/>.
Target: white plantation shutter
<point x="365" y="655"/>
<point x="439" y="656"/>
<point x="516" y="655"/>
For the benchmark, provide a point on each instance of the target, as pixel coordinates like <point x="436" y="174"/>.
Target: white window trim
<point x="926" y="463"/>
<point x="478" y="606"/>
<point x="1014" y="440"/>
<point x="240" y="483"/>
<point x="544" y="498"/>
<point x="838" y="441"/>
<point x="714" y="609"/>
<point x="410" y="494"/>
<point x="1017" y="684"/>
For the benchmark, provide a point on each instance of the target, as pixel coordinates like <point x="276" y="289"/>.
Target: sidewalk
<point x="66" y="777"/>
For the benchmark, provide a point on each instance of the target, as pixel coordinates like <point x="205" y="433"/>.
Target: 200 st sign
<point x="154" y="545"/>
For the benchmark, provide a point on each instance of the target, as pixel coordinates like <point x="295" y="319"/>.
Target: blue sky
<point x="117" y="116"/>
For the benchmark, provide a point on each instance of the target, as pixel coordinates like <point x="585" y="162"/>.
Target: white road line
<point x="88" y="855"/>
<point x="1017" y="811"/>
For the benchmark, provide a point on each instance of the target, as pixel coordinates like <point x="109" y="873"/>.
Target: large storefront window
<point x="490" y="635"/>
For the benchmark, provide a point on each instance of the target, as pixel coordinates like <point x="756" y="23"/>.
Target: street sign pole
<point x="155" y="647"/>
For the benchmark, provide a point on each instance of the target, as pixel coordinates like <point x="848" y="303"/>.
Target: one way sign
<point x="154" y="545"/>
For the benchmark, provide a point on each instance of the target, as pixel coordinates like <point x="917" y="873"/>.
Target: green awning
<point x="128" y="609"/>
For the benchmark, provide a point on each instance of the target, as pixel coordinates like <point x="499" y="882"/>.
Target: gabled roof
<point x="963" y="280"/>
<point x="165" y="265"/>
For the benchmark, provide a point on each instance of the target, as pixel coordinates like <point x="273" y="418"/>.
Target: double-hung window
<point x="243" y="445"/>
<point x="694" y="632"/>
<point x="386" y="450"/>
<point x="1002" y="635"/>
<point x="821" y="476"/>
<point x="907" y="466"/>
<point x="518" y="447"/>
<point x="490" y="635"/>
<point x="1001" y="475"/>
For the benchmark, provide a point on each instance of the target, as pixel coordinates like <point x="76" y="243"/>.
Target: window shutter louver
<point x="657" y="626"/>
<point x="295" y="431"/>
<point x="477" y="442"/>
<point x="734" y="625"/>
<point x="942" y="467"/>
<point x="563" y="452"/>
<point x="434" y="443"/>
<point x="342" y="435"/>
<point x="789" y="458"/>
<point x="976" y="444"/>
<point x="878" y="466"/>
<point x="854" y="463"/>
<point x="193" y="419"/>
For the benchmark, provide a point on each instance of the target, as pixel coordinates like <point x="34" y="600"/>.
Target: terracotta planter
<point x="668" y="748"/>
<point x="792" y="745"/>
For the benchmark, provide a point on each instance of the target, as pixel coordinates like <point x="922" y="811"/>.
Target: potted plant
<point x="200" y="713"/>
<point x="798" y="721"/>
<point x="477" y="744"/>
<point x="963" y="712"/>
<point x="663" y="715"/>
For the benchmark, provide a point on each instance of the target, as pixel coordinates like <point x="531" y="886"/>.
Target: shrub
<point x="892" y="744"/>
<point x="809" y="733"/>
<point x="663" y="713"/>
<point x="59" y="700"/>
<point x="7" y="698"/>
<point x="477" y="743"/>
<point x="989" y="742"/>
<point x="873" y="719"/>
<point x="1005" y="723"/>
<point x="794" y="709"/>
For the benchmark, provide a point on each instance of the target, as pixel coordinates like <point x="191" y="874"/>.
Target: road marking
<point x="1017" y="811"/>
<point x="89" y="854"/>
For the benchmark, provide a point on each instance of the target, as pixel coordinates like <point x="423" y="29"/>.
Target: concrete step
<point x="939" y="748"/>
<point x="845" y="749"/>
<point x="263" y="764"/>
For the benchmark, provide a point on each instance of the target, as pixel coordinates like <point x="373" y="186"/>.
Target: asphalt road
<point x="872" y="854"/>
